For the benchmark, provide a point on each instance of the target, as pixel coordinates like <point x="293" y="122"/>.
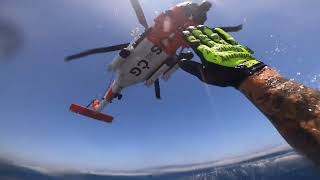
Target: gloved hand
<point x="224" y="61"/>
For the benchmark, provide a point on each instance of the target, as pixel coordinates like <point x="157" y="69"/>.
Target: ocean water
<point x="281" y="164"/>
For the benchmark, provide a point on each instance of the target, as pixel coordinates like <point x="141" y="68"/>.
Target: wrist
<point x="255" y="68"/>
<point x="258" y="80"/>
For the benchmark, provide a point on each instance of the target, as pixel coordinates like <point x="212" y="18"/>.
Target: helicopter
<point x="151" y="56"/>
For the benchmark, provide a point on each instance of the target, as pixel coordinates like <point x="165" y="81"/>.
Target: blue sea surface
<point x="278" y="165"/>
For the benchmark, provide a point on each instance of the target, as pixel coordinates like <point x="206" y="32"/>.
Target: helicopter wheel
<point x="188" y="55"/>
<point x="119" y="96"/>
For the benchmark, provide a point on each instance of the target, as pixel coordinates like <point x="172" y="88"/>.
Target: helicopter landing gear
<point x="118" y="96"/>
<point x="188" y="55"/>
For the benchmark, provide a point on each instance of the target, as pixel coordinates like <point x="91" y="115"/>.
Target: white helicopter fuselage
<point x="145" y="64"/>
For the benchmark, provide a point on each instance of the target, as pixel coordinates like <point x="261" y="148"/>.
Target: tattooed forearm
<point x="293" y="109"/>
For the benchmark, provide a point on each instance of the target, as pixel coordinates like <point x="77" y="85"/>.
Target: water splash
<point x="279" y="47"/>
<point x="314" y="80"/>
<point x="135" y="33"/>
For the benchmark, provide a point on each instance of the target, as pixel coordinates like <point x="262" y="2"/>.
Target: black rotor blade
<point x="139" y="12"/>
<point x="97" y="51"/>
<point x="157" y="89"/>
<point x="232" y="28"/>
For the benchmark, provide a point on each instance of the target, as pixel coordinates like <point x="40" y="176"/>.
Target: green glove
<point x="224" y="61"/>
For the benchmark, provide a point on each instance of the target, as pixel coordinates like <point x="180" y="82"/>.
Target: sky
<point x="193" y="122"/>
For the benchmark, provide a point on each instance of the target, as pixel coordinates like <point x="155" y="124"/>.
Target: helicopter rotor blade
<point x="157" y="89"/>
<point x="96" y="51"/>
<point x="232" y="28"/>
<point x="139" y="12"/>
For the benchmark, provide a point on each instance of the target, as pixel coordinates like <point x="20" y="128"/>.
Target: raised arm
<point x="291" y="107"/>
